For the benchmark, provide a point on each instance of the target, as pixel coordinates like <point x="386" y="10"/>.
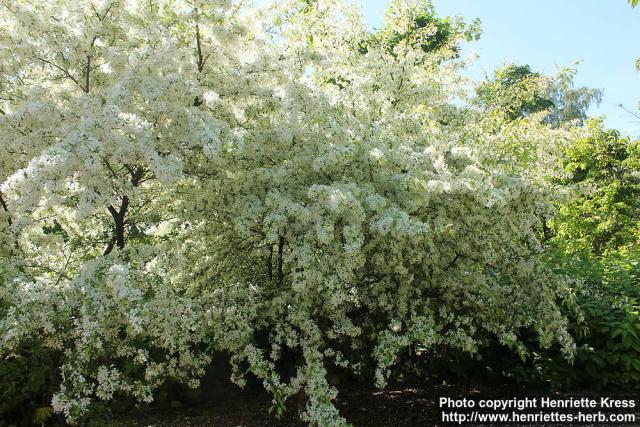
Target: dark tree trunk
<point x="280" y="262"/>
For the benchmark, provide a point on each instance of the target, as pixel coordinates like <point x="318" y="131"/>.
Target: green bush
<point x="27" y="385"/>
<point x="606" y="327"/>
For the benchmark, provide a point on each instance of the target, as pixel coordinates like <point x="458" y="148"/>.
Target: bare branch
<point x="64" y="71"/>
<point x="49" y="270"/>
<point x="634" y="114"/>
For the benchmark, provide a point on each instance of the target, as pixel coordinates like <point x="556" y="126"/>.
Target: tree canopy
<point x="186" y="177"/>
<point x="516" y="92"/>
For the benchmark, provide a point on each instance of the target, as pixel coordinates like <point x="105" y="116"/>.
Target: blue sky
<point x="603" y="34"/>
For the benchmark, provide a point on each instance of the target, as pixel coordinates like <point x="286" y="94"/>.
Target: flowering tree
<point x="186" y="176"/>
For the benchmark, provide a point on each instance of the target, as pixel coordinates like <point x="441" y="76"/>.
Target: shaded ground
<point x="399" y="405"/>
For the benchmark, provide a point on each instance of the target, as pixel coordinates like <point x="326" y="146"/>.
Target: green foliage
<point x="606" y="330"/>
<point x="596" y="239"/>
<point x="516" y="91"/>
<point x="633" y="3"/>
<point x="604" y="217"/>
<point x="570" y="103"/>
<point x="42" y="414"/>
<point x="609" y="297"/>
<point x="423" y="30"/>
<point x="26" y="387"/>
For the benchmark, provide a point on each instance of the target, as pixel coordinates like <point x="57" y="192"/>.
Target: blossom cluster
<point x="184" y="177"/>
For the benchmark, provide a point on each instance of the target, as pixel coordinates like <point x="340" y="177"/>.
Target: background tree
<point x="605" y="218"/>
<point x="516" y="92"/>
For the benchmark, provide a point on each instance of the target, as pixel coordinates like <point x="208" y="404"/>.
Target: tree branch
<point x="87" y="69"/>
<point x="119" y="215"/>
<point x="86" y="74"/>
<point x="270" y="263"/>
<point x="64" y="70"/>
<point x="629" y="111"/>
<point x="201" y="59"/>
<point x="452" y="262"/>
<point x="5" y="208"/>
<point x="280" y="261"/>
<point x="118" y="218"/>
<point x="49" y="270"/>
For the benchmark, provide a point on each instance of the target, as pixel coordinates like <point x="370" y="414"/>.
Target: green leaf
<point x="41" y="415"/>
